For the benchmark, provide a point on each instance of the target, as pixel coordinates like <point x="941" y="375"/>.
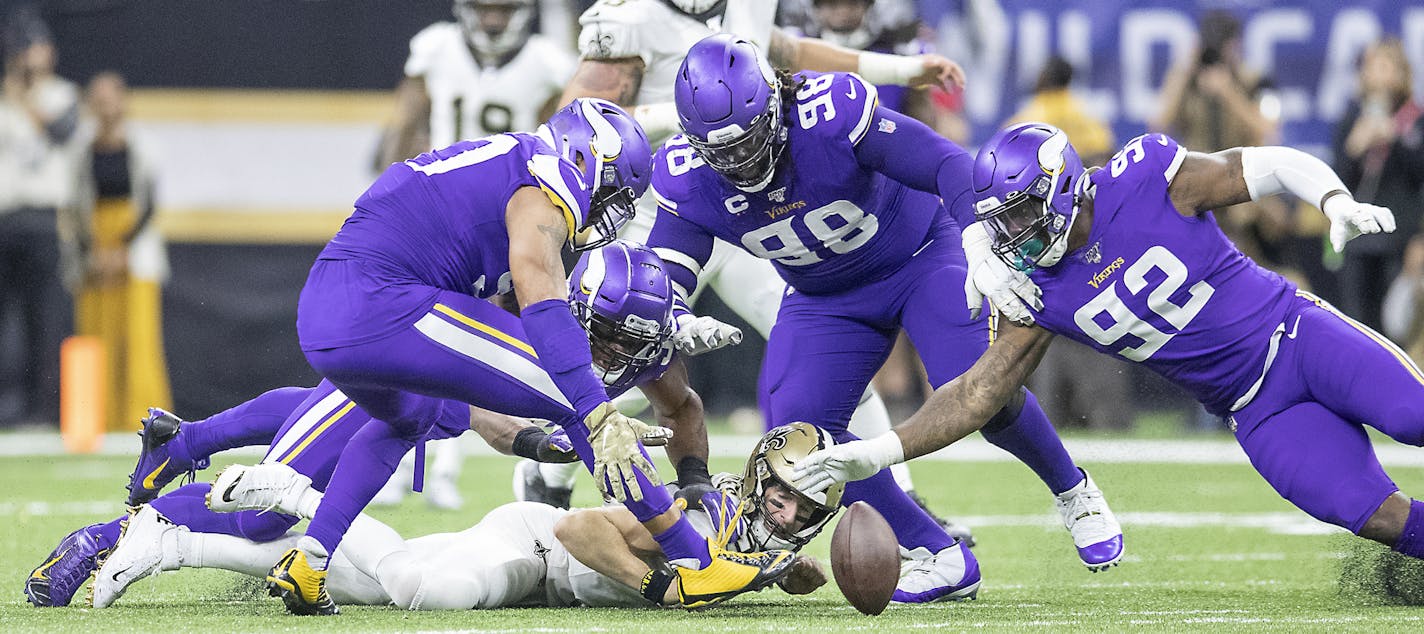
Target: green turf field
<point x="1210" y="547"/>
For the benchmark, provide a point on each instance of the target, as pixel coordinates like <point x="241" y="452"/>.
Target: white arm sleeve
<point x="1274" y="170"/>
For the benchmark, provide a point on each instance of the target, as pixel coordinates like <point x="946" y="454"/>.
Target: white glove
<point x="1010" y="291"/>
<point x="855" y="460"/>
<point x="616" y="453"/>
<point x="1350" y="218"/>
<point x="696" y="335"/>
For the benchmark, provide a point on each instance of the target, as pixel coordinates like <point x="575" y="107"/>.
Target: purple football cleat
<point x="1096" y="533"/>
<point x="951" y="574"/>
<point x="164" y="457"/>
<point x="54" y="582"/>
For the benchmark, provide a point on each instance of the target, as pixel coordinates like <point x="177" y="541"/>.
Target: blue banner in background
<point x="1121" y="52"/>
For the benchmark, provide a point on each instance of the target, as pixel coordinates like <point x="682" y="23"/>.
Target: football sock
<point x="109" y="531"/>
<point x="367" y="462"/>
<point x="913" y="527"/>
<point x="683" y="545"/>
<point x="315" y="552"/>
<point x="185" y="507"/>
<point x="255" y="422"/>
<point x="1031" y="438"/>
<point x="207" y="550"/>
<point x="559" y="475"/>
<point x="1411" y="541"/>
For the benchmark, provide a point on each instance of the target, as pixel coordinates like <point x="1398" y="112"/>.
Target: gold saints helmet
<point x="770" y="465"/>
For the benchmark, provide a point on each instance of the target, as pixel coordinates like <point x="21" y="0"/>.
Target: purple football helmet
<point x="1025" y="187"/>
<point x="622" y="296"/>
<point x="729" y="104"/>
<point x="616" y="160"/>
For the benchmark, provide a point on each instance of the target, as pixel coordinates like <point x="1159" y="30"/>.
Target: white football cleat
<point x="951" y="574"/>
<point x="149" y="543"/>
<point x="270" y="486"/>
<point x="1096" y="533"/>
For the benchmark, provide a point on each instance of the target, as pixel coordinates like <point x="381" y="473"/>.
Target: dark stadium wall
<point x="345" y="44"/>
<point x="230" y="322"/>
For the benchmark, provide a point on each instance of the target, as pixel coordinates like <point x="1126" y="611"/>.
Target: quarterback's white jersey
<point x="467" y="101"/>
<point x="661" y="35"/>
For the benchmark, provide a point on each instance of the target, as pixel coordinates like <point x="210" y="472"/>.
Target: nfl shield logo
<point x="885" y="125"/>
<point x="777" y="195"/>
<point x="1094" y="254"/>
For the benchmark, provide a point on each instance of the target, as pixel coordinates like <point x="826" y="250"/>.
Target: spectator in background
<point x="119" y="299"/>
<point x="1085" y="389"/>
<point x="39" y="149"/>
<point x="1212" y="102"/>
<point x="1379" y="154"/>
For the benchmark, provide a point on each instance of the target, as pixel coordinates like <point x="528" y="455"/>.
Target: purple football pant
<point x="462" y="348"/>
<point x="314" y="426"/>
<point x="824" y="349"/>
<point x="1305" y="429"/>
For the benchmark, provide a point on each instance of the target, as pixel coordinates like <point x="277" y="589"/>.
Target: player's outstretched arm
<point x="1230" y="177"/>
<point x="514" y="436"/>
<point x="918" y="71"/>
<point x="955" y="410"/>
<point x="612" y="542"/>
<point x="679" y="408"/>
<point x="538" y="231"/>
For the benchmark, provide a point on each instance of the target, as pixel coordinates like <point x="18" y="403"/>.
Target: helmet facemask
<point x="622" y="350"/>
<point x="611" y="204"/>
<point x="1027" y="232"/>
<point x="476" y="16"/>
<point x="767" y="483"/>
<point x="748" y="157"/>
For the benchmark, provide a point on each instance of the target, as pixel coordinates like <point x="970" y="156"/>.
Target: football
<point x="865" y="559"/>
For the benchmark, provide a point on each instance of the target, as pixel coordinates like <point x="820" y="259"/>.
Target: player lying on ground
<point x="1130" y="261"/>
<point x="630" y="52"/>
<point x="855" y="205"/>
<point x="395" y="313"/>
<point x="624" y="303"/>
<point x="305" y="428"/>
<point x="519" y="554"/>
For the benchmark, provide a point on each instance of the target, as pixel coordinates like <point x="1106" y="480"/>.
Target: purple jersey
<point x="439" y="217"/>
<point x="827" y="222"/>
<point x="1164" y="290"/>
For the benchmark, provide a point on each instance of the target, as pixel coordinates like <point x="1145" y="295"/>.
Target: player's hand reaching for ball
<point x="617" y="451"/>
<point x="855" y="460"/>
<point x="805" y="576"/>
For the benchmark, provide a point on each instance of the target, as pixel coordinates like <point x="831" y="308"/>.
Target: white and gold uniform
<point x="469" y="101"/>
<point x="511" y="558"/>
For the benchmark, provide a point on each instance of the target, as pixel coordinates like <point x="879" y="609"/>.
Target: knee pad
<point x="1008" y="414"/>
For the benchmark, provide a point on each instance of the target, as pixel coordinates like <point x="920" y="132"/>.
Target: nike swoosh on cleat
<point x="227" y="494"/>
<point x="39" y="573"/>
<point x="148" y="481"/>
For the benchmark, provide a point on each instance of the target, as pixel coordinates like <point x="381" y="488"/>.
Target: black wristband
<point x="655" y="584"/>
<point x="1331" y="194"/>
<point x="692" y="470"/>
<point x="527" y="441"/>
